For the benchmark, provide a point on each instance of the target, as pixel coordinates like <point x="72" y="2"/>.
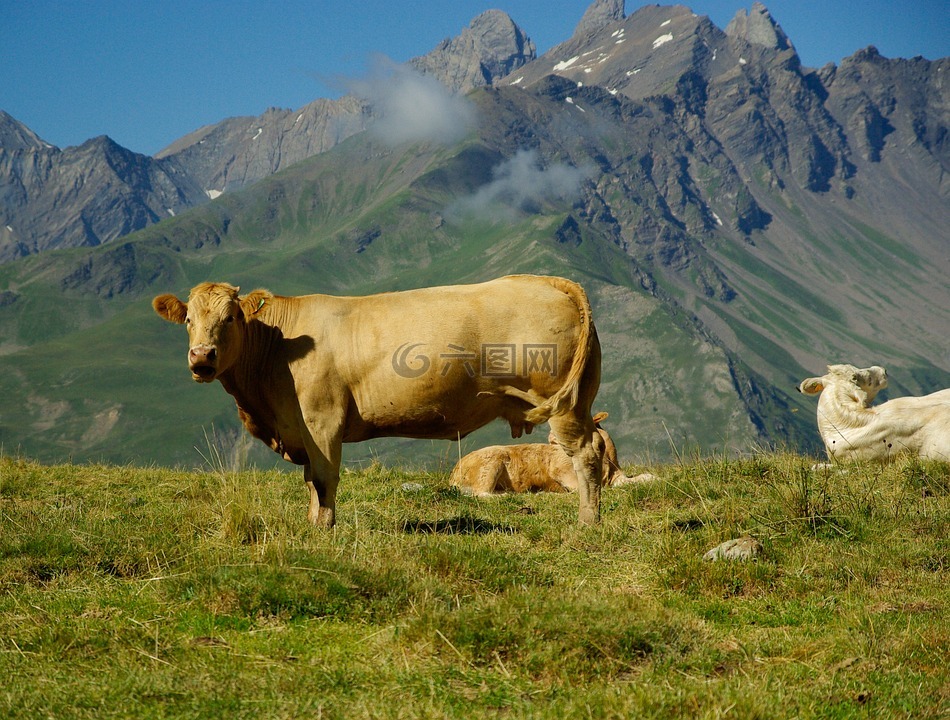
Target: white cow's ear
<point x="811" y="386"/>
<point x="170" y="308"/>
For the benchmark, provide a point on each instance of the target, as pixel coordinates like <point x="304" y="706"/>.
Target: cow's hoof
<point x="325" y="518"/>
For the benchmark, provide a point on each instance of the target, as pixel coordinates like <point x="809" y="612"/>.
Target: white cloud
<point x="521" y="184"/>
<point x="411" y="107"/>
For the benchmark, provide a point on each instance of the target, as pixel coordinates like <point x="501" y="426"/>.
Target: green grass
<point x="130" y="592"/>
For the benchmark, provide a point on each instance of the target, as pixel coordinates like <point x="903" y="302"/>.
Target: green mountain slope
<point x="97" y="375"/>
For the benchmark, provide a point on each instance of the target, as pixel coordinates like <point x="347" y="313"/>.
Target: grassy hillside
<point x="129" y="592"/>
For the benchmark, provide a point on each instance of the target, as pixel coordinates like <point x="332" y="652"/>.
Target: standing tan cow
<point x="309" y="373"/>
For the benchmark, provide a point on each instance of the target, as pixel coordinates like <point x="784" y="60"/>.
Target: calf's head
<point x="214" y="316"/>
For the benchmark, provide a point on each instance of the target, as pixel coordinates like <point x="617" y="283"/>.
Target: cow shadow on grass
<point x="461" y="525"/>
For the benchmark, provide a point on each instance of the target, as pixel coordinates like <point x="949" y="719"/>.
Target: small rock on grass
<point x="744" y="548"/>
<point x="643" y="477"/>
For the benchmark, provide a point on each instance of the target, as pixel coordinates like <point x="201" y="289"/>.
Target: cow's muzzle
<point x="202" y="361"/>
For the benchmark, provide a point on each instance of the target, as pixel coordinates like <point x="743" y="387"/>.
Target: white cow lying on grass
<point x="853" y="429"/>
<point x="533" y="468"/>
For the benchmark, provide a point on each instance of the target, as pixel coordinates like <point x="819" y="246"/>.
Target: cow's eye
<point x="187" y="320"/>
<point x="230" y="319"/>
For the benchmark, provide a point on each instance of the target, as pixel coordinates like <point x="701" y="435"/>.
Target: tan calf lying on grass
<point x="532" y="468"/>
<point x="853" y="429"/>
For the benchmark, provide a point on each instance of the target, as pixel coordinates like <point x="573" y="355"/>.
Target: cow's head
<point x="871" y="380"/>
<point x="860" y="384"/>
<point x="214" y="316"/>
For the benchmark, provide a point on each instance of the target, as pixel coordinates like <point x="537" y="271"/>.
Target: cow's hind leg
<point x="586" y="447"/>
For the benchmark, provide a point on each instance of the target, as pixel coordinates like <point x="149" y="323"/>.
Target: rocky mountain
<point x="744" y="165"/>
<point x="489" y="49"/>
<point x="80" y="196"/>
<point x="598" y="15"/>
<point x="738" y="219"/>
<point x="240" y="151"/>
<point x="17" y="136"/>
<point x="52" y="198"/>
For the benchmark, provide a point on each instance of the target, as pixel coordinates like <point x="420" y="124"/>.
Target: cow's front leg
<point x="322" y="487"/>
<point x="322" y="475"/>
<point x="324" y="445"/>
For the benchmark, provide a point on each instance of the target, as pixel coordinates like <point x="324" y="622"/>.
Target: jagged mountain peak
<point x="105" y="144"/>
<point x="757" y="27"/>
<point x="491" y="47"/>
<point x="638" y="55"/>
<point x="598" y="15"/>
<point x="14" y="135"/>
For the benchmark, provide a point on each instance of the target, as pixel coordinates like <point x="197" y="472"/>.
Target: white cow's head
<point x="859" y="384"/>
<point x="214" y="316"/>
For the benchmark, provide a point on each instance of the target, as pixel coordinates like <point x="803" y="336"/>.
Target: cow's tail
<point x="567" y="396"/>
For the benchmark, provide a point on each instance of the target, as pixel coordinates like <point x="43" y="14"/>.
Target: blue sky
<point x="147" y="72"/>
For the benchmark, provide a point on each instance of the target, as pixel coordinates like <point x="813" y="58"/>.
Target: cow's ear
<point x="599" y="418"/>
<point x="812" y="386"/>
<point x="170" y="308"/>
<point x="254" y="302"/>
